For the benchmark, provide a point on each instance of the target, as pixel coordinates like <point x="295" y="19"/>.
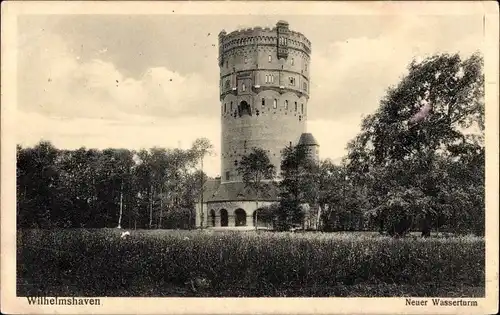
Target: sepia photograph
<point x="249" y="150"/>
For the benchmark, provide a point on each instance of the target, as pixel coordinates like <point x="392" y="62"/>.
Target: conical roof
<point x="307" y="139"/>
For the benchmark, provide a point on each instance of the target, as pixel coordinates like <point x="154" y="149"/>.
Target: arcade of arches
<point x="236" y="217"/>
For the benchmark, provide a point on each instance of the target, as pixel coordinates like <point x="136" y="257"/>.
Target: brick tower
<point x="264" y="89"/>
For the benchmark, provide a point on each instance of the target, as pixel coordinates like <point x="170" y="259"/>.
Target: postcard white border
<point x="15" y="305"/>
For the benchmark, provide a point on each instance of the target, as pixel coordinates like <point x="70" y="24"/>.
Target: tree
<point x="95" y="189"/>
<point x="426" y="118"/>
<point x="38" y="185"/>
<point x="297" y="186"/>
<point x="254" y="168"/>
<point x="202" y="147"/>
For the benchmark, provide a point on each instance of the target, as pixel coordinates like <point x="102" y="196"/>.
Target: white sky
<point x="141" y="81"/>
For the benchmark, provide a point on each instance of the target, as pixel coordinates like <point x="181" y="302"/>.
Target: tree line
<point x="90" y="188"/>
<point x="418" y="163"/>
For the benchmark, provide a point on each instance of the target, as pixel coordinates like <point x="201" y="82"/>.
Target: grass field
<point x="78" y="262"/>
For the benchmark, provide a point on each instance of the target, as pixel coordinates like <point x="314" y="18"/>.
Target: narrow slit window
<point x="263" y="102"/>
<point x="231" y="106"/>
<point x="302" y="108"/>
<point x="286" y="104"/>
<point x="292" y="62"/>
<point x="295" y="106"/>
<point x="269" y="58"/>
<point x="243" y="87"/>
<point x="275" y="103"/>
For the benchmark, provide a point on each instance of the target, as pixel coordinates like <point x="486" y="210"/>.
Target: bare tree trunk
<point x="256" y="213"/>
<point x="318" y="219"/>
<point x="201" y="195"/>
<point x="161" y="205"/>
<point x="129" y="217"/>
<point x="121" y="206"/>
<point x="151" y="206"/>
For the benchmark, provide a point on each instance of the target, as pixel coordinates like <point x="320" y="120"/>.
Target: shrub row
<point x="100" y="263"/>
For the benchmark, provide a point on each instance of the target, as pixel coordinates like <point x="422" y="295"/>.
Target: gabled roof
<point x="307" y="139"/>
<point x="216" y="191"/>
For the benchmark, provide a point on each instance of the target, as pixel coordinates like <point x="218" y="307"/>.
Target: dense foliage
<point x="258" y="174"/>
<point x="154" y="188"/>
<point x="417" y="164"/>
<point x="421" y="157"/>
<point x="297" y="186"/>
<point x="200" y="263"/>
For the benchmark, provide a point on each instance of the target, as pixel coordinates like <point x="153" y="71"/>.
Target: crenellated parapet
<point x="235" y="37"/>
<point x="259" y="36"/>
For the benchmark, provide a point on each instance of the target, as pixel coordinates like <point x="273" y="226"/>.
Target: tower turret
<point x="307" y="140"/>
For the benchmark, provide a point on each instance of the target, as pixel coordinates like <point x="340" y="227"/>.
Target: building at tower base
<point x="264" y="89"/>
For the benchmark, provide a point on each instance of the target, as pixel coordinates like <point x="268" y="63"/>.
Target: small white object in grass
<point x="125" y="234"/>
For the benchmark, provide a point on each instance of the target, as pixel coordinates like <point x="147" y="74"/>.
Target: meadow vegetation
<point x="203" y="263"/>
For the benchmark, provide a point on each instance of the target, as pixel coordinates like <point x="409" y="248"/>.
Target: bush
<point x="165" y="263"/>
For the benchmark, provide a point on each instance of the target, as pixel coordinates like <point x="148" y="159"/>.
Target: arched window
<point x="231" y="106"/>
<point x="212" y="216"/>
<point x="272" y="78"/>
<point x="227" y="64"/>
<point x="243" y="87"/>
<point x="267" y="78"/>
<point x="292" y="61"/>
<point x="244" y="109"/>
<point x="306" y="66"/>
<point x="304" y="86"/>
<point x="275" y="103"/>
<point x="240" y="217"/>
<point x="224" y="217"/>
<point x="286" y="104"/>
<point x="302" y="108"/>
<point x="263" y="102"/>
<point x="224" y="108"/>
<point x="269" y="58"/>
<point x="295" y="106"/>
<point x="245" y="60"/>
